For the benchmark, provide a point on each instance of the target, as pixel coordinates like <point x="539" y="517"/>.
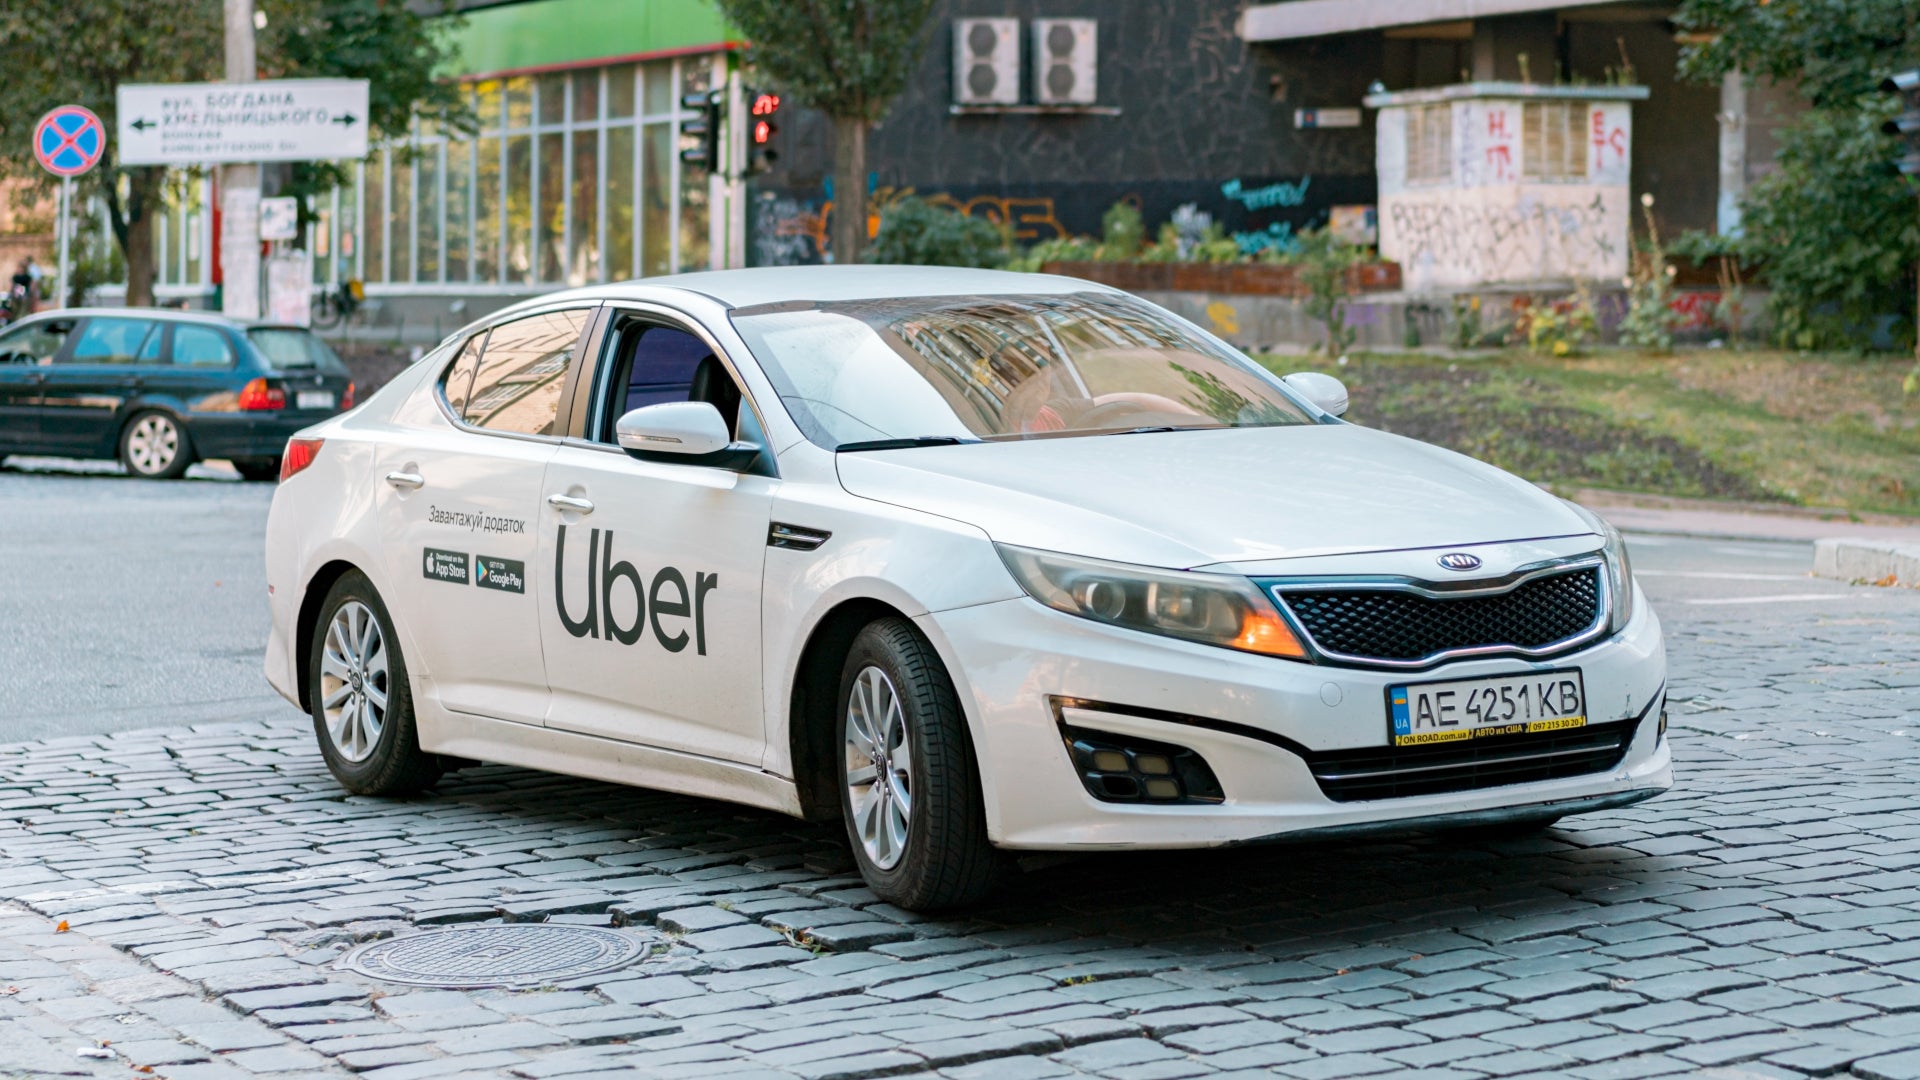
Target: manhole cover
<point x="530" y="954"/>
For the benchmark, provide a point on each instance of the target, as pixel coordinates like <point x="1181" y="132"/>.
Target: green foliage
<point x="1324" y="260"/>
<point x="1836" y="228"/>
<point x="917" y="233"/>
<point x="1122" y="232"/>
<point x="1834" y="50"/>
<point x="847" y="58"/>
<point x="1058" y="249"/>
<point x="1561" y="328"/>
<point x="1650" y="318"/>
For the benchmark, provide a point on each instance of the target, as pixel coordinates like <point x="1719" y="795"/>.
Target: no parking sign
<point x="69" y="140"/>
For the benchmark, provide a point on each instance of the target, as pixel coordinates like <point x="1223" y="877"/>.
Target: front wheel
<point x="260" y="468"/>
<point x="155" y="446"/>
<point x="357" y="688"/>
<point x="909" y="782"/>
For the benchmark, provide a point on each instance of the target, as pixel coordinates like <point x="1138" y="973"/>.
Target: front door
<point x="26" y="352"/>
<point x="651" y="618"/>
<point x="460" y="506"/>
<point x="90" y="384"/>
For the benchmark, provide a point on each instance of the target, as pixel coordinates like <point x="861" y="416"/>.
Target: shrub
<point x="1324" y="259"/>
<point x="1561" y="328"/>
<point x="917" y="233"/>
<point x="1122" y="232"/>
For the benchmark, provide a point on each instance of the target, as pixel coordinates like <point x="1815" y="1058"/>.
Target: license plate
<point x="314" y="399"/>
<point x="1438" y="712"/>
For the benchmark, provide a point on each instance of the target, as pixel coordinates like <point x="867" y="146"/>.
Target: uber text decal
<point x="668" y="598"/>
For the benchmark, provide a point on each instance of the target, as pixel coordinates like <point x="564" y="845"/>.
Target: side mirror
<point x="1325" y="391"/>
<point x="683" y="433"/>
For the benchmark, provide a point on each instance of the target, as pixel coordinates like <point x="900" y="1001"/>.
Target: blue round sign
<point x="69" y="140"/>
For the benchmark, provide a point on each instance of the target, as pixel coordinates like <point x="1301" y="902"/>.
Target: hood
<point x="1192" y="498"/>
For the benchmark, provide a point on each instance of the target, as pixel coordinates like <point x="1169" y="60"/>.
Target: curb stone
<point x="1867" y="560"/>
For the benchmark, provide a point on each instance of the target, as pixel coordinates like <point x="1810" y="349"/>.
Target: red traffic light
<point x="762" y="133"/>
<point x="766" y="104"/>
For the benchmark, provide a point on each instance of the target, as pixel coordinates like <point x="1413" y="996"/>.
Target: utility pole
<point x="240" y="186"/>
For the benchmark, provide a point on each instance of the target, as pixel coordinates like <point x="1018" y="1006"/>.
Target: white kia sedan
<point x="977" y="562"/>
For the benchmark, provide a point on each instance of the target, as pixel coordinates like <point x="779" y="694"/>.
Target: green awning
<point x="558" y="33"/>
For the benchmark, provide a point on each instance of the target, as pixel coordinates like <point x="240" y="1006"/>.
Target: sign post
<point x="68" y="141"/>
<point x="222" y="123"/>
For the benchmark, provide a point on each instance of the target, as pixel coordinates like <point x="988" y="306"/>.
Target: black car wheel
<point x="259" y="468"/>
<point x="155" y="446"/>
<point x="361" y="704"/>
<point x="909" y="783"/>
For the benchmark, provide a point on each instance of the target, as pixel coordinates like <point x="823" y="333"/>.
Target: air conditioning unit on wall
<point x="1066" y="61"/>
<point x="986" y="61"/>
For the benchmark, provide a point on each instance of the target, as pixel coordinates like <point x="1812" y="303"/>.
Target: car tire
<point x="359" y="698"/>
<point x="256" y="469"/>
<point x="154" y="446"/>
<point x="918" y="829"/>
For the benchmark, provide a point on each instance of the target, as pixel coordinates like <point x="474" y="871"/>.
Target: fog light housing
<point x="1121" y="768"/>
<point x="1661" y="731"/>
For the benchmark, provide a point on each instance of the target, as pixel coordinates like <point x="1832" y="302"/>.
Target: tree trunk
<point x="143" y="199"/>
<point x="849" y="189"/>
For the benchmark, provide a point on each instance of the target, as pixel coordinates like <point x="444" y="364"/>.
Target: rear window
<point x="290" y="347"/>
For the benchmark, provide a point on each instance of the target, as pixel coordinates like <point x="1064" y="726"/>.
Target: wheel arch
<point x="810" y="708"/>
<point x="138" y="407"/>
<point x="308" y="618"/>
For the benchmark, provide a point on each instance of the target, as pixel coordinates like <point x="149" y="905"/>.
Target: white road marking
<point x="1776" y="599"/>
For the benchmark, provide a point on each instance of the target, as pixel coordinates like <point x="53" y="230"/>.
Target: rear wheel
<point x="260" y="468"/>
<point x="357" y="687"/>
<point x="155" y="446"/>
<point x="909" y="783"/>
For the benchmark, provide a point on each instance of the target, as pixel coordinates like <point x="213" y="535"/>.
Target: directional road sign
<point x="277" y="120"/>
<point x="69" y="140"/>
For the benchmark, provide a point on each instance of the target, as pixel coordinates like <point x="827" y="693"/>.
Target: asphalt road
<point x="134" y="604"/>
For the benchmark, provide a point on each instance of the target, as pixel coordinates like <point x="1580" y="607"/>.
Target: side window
<point x="456" y="383"/>
<point x="35" y="343"/>
<point x="201" y="346"/>
<point x="655" y="364"/>
<point x="522" y="371"/>
<point x="111" y="341"/>
<point x="150" y="352"/>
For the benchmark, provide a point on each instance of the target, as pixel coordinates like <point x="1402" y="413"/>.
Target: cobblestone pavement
<point x="1762" y="920"/>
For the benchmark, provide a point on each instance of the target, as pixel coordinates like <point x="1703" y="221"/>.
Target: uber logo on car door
<point x="507" y="575"/>
<point x="446" y="565"/>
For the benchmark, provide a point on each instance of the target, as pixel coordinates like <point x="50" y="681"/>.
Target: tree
<point x="1834" y="224"/>
<point x="847" y="58"/>
<point x="80" y="51"/>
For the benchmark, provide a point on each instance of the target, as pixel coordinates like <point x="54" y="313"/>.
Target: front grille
<point x="1391" y="624"/>
<point x="1396" y="772"/>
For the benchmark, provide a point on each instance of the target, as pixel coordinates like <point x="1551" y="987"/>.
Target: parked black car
<point x="161" y="389"/>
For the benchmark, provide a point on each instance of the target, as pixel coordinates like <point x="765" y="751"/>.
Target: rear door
<point x="26" y="351"/>
<point x="87" y="389"/>
<point x="460" y="504"/>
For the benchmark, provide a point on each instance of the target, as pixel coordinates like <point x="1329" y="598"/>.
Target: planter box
<point x="1234" y="279"/>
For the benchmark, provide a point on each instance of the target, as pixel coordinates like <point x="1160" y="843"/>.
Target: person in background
<point x="36" y="291"/>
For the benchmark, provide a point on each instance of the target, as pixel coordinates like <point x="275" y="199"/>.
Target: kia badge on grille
<point x="1460" y="560"/>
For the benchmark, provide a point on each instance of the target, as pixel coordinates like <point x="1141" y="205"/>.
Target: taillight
<point x="257" y="396"/>
<point x="300" y="454"/>
<point x="346" y="399"/>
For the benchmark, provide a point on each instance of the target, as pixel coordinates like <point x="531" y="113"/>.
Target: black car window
<point x="657" y="364"/>
<point x="111" y="341"/>
<point x="517" y="387"/>
<point x="36" y="342"/>
<point x="201" y="346"/>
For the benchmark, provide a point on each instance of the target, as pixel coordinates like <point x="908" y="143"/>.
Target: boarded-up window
<point x="1429" y="143"/>
<point x="1552" y="146"/>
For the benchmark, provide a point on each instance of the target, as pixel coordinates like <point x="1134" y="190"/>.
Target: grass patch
<point x="1821" y="431"/>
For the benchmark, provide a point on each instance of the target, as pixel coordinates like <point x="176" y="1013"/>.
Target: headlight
<point x="1213" y="609"/>
<point x="1619" y="569"/>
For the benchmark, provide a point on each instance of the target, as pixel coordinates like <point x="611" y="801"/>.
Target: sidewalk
<point x="1741" y="521"/>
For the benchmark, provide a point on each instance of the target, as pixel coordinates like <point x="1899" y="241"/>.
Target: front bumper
<point x="1021" y="667"/>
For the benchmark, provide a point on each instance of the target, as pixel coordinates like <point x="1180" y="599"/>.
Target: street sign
<point x="69" y="140"/>
<point x="1326" y="118"/>
<point x="277" y="120"/>
<point x="279" y="218"/>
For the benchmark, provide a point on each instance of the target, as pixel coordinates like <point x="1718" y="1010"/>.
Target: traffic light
<point x="703" y="128"/>
<point x="1907" y="124"/>
<point x="762" y="151"/>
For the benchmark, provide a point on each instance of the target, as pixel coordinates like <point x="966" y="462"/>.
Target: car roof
<point x="168" y="314"/>
<point x="829" y="284"/>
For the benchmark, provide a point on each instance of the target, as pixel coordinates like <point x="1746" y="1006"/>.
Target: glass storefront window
<point x="586" y="97"/>
<point x="459" y="208"/>
<point x="374" y="190"/>
<point x="552" y="94"/>
<point x="551" y="237"/>
<point x="620" y="190"/>
<point x="519" y="185"/>
<point x="620" y="87"/>
<point x="487" y="211"/>
<point x="583" y="259"/>
<point x="399" y="220"/>
<point x="426" y="175"/>
<point x="656" y="193"/>
<point x="519" y="102"/>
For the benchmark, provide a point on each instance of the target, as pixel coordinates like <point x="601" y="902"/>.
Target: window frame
<point x="592" y="394"/>
<point x="569" y="387"/>
<point x="25" y="326"/>
<point x="223" y="333"/>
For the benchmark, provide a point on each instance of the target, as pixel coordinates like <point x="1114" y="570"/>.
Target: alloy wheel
<point x="153" y="444"/>
<point x="879" y="768"/>
<point x="353" y="681"/>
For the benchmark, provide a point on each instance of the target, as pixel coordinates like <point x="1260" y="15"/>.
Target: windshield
<point x="971" y="368"/>
<point x="289" y="347"/>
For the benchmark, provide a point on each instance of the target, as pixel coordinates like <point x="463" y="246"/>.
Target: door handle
<point x="407" y="480"/>
<point x="568" y="502"/>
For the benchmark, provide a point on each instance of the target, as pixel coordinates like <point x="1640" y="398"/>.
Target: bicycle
<point x="336" y="305"/>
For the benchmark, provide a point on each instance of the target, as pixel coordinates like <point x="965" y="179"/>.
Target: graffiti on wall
<point x="1031" y="217"/>
<point x="1267" y="196"/>
<point x="1487" y="243"/>
<point x="788" y="231"/>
